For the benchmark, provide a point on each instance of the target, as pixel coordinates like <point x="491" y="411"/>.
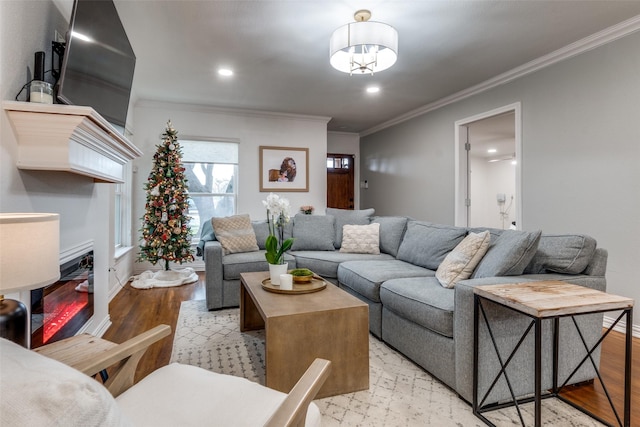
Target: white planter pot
<point x="275" y="270"/>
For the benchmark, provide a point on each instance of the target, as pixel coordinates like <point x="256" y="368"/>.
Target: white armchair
<point x="39" y="391"/>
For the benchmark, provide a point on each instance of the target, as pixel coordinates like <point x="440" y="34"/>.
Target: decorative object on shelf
<point x="18" y="232"/>
<point x="306" y="209"/>
<point x="40" y="91"/>
<point x="87" y="264"/>
<point x="276" y="245"/>
<point x="165" y="233"/>
<point x="284" y="169"/>
<point x="363" y="47"/>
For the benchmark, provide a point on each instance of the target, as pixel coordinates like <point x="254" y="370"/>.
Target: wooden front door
<point x="340" y="177"/>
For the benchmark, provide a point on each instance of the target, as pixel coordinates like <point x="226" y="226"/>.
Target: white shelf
<point x="69" y="138"/>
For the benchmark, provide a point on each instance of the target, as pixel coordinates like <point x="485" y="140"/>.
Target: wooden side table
<point x="549" y="300"/>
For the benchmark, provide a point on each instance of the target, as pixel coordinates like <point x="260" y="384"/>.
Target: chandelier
<point x="363" y="47"/>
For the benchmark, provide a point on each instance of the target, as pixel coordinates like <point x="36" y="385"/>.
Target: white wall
<point x="580" y="155"/>
<point x="252" y="129"/>
<point x="487" y="180"/>
<point x="85" y="207"/>
<point x="347" y="143"/>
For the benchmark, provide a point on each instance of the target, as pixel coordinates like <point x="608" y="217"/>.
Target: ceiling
<point x="279" y="50"/>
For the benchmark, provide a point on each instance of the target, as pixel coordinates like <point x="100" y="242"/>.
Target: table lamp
<point x="29" y="259"/>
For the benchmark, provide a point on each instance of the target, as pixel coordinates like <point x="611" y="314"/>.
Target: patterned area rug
<point x="400" y="393"/>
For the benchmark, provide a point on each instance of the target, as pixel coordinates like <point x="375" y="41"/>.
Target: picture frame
<point x="284" y="169"/>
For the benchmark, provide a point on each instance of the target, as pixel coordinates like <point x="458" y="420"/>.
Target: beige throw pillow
<point x="361" y="239"/>
<point x="462" y="260"/>
<point x="235" y="234"/>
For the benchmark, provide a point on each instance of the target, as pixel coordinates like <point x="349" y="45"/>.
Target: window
<point x="211" y="168"/>
<point x="338" y="162"/>
<point x="122" y="208"/>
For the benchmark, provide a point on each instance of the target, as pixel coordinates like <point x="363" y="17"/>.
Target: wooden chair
<point x="173" y="393"/>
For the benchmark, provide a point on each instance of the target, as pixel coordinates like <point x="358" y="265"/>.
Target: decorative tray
<point x="316" y="284"/>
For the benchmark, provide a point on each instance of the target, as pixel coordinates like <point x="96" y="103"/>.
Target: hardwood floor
<point x="134" y="311"/>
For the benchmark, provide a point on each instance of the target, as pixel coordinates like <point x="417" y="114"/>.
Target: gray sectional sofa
<point x="408" y="307"/>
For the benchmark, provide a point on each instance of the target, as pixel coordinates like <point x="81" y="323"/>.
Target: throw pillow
<point x="426" y="244"/>
<point x="391" y="232"/>
<point x="38" y="391"/>
<point x="562" y="253"/>
<point x="348" y="216"/>
<point x="361" y="239"/>
<point x="462" y="260"/>
<point x="313" y="232"/>
<point x="509" y="254"/>
<point x="235" y="234"/>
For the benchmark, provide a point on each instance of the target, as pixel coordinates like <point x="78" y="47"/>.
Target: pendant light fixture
<point x="363" y="47"/>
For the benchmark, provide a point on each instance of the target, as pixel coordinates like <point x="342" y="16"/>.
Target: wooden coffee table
<point x="330" y="324"/>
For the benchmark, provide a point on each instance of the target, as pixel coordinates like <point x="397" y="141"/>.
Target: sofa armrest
<point x="213" y="274"/>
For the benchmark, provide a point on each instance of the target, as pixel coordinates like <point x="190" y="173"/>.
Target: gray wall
<point x="580" y="154"/>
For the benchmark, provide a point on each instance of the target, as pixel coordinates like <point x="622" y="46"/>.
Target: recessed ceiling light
<point x="491" y="150"/>
<point x="225" y="72"/>
<point x="373" y="89"/>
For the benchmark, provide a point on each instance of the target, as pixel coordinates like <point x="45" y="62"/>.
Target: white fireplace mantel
<point x="69" y="138"/>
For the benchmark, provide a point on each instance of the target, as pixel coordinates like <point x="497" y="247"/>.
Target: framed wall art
<point x="284" y="169"/>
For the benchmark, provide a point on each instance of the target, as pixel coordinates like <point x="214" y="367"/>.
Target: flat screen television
<point x="98" y="63"/>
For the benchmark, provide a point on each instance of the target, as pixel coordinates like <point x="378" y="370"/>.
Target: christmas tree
<point x="166" y="234"/>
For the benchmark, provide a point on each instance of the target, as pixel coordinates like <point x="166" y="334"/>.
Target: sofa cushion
<point x="426" y="244"/>
<point x="361" y="239"/>
<point x="38" y="391"/>
<point x="463" y="259"/>
<point x="562" y="253"/>
<point x="235" y="233"/>
<point x="421" y="300"/>
<point x="509" y="254"/>
<point x="391" y="232"/>
<point x="325" y="263"/>
<point x="365" y="277"/>
<point x="348" y="216"/>
<point x="313" y="232"/>
<point x="245" y="262"/>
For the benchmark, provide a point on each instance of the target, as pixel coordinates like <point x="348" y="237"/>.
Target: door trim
<point x="460" y="158"/>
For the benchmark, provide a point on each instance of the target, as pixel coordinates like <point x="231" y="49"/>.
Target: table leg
<point x="627" y="367"/>
<point x="538" y="373"/>
<point x="250" y="318"/>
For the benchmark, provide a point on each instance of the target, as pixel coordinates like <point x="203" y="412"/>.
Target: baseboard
<point x="621" y="326"/>
<point x="97" y="330"/>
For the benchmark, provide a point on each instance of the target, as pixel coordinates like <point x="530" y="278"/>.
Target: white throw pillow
<point x="462" y="260"/>
<point x="38" y="391"/>
<point x="361" y="239"/>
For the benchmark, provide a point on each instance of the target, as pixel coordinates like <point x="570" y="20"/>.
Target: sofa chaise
<point x="410" y="309"/>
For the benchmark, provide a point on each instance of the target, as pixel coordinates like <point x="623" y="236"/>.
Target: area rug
<point x="400" y="392"/>
<point x="164" y="279"/>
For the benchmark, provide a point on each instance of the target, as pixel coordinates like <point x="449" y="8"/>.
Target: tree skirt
<point x="164" y="279"/>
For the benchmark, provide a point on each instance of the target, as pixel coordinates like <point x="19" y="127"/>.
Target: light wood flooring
<point x="134" y="311"/>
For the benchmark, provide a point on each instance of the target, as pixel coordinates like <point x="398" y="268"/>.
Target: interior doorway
<point x="340" y="180"/>
<point x="488" y="165"/>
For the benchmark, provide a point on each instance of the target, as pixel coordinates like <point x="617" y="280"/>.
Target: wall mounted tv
<point x="98" y="63"/>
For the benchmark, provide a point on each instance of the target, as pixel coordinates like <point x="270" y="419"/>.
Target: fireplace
<point x="59" y="310"/>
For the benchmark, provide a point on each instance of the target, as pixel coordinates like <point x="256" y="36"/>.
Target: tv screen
<point x="98" y="63"/>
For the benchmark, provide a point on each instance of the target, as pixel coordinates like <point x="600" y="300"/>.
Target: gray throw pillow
<point x="427" y="244"/>
<point x="313" y="233"/>
<point x="347" y="216"/>
<point x="509" y="254"/>
<point x="391" y="232"/>
<point x="562" y="253"/>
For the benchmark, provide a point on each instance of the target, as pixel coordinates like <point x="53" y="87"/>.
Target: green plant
<point x="277" y="217"/>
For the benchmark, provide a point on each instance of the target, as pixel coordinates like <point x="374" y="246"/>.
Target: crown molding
<point x="209" y="109"/>
<point x="593" y="41"/>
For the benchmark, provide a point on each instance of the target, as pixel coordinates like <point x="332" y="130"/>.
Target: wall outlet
<point x="57" y="37"/>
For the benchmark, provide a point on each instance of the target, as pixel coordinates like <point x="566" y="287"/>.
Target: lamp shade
<point x="363" y="47"/>
<point x="29" y="251"/>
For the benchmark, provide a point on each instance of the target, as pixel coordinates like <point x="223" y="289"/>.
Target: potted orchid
<point x="275" y="245"/>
